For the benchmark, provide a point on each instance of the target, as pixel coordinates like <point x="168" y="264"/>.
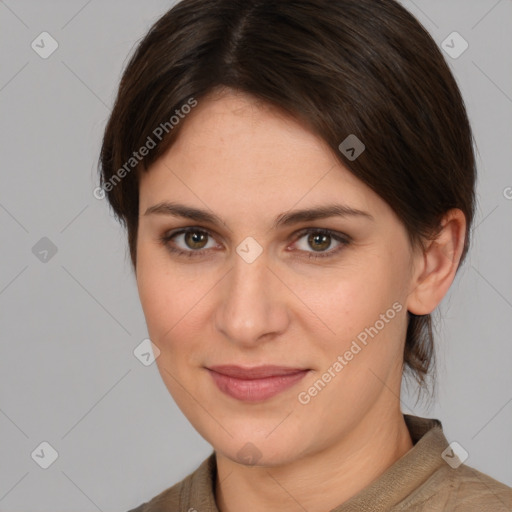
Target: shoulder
<point x="461" y="489"/>
<point x="195" y="488"/>
<point x="474" y="490"/>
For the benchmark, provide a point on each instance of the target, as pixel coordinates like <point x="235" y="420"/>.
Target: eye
<point x="193" y="241"/>
<point x="319" y="240"/>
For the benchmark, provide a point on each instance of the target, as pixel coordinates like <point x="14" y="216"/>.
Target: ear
<point x="436" y="265"/>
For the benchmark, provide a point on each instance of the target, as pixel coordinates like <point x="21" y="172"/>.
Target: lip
<point x="256" y="383"/>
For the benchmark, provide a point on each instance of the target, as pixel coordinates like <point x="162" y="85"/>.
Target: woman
<point x="297" y="180"/>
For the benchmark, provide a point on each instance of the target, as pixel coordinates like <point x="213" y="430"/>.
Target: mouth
<point x="257" y="383"/>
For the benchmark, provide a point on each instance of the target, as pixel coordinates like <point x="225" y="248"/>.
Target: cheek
<point x="344" y="301"/>
<point x="164" y="302"/>
<point x="173" y="302"/>
<point x="158" y="293"/>
<point x="365" y="311"/>
<point x="168" y="306"/>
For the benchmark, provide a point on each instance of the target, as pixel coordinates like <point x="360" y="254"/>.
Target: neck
<point x="322" y="480"/>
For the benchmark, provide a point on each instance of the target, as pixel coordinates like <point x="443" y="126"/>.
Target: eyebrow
<point x="283" y="219"/>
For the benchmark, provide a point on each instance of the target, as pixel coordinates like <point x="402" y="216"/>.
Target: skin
<point x="248" y="162"/>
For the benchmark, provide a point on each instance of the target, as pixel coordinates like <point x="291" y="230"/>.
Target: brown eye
<point x="189" y="242"/>
<point x="314" y="243"/>
<point x="319" y="241"/>
<point x="196" y="239"/>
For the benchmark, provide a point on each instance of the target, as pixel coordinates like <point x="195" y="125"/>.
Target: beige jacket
<point x="419" y="481"/>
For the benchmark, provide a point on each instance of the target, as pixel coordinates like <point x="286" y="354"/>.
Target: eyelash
<point x="343" y="239"/>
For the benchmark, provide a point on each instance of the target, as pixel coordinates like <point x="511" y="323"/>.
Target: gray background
<point x="69" y="325"/>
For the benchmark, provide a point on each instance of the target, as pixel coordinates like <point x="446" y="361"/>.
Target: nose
<point x="252" y="306"/>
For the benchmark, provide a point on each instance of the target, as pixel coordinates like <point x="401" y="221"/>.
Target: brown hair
<point x="362" y="67"/>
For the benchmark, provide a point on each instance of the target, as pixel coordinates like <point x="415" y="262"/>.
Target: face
<point x="249" y="284"/>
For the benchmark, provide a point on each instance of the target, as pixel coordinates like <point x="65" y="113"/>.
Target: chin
<point x="251" y="455"/>
<point x="260" y="451"/>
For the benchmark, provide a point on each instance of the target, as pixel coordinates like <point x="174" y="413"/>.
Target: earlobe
<point x="436" y="265"/>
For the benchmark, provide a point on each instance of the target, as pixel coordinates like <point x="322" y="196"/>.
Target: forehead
<point x="236" y="124"/>
<point x="236" y="154"/>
